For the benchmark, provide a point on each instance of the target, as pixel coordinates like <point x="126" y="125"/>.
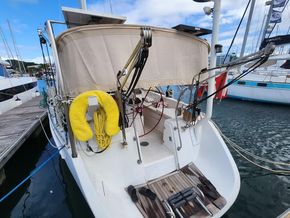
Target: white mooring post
<point x="214" y="39"/>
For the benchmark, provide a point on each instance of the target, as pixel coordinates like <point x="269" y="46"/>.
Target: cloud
<point x="170" y="13"/>
<point x="162" y="12"/>
<point x="38" y="60"/>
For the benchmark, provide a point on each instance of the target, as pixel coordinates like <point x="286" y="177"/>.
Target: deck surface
<point x="166" y="186"/>
<point x="16" y="125"/>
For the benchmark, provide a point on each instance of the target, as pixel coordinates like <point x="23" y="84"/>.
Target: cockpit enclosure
<point x="100" y="51"/>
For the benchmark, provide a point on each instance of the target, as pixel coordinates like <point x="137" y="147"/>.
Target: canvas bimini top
<point x="91" y="56"/>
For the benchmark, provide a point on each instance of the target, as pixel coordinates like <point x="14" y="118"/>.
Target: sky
<point x="26" y="16"/>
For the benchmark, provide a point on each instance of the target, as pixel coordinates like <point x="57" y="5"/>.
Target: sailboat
<point x="270" y="82"/>
<point x="15" y="87"/>
<point x="132" y="151"/>
<point x="15" y="90"/>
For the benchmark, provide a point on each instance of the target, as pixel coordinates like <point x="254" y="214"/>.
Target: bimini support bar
<point x="136" y="60"/>
<point x="60" y="84"/>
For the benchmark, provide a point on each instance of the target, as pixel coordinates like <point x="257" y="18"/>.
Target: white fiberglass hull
<point x="257" y="88"/>
<point x="19" y="98"/>
<point x="103" y="178"/>
<point x="261" y="94"/>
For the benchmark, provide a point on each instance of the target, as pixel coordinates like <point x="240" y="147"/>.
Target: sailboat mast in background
<point x="20" y="64"/>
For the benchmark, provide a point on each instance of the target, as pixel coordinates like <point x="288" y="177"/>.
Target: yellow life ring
<point x="106" y="121"/>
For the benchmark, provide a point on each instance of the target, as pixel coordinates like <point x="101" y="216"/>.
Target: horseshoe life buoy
<point x="106" y="120"/>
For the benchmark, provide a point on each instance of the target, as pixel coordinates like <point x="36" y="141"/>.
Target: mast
<point x="247" y="28"/>
<point x="16" y="50"/>
<point x="267" y="20"/>
<point x="260" y="33"/>
<point x="83" y="4"/>
<point x="7" y="48"/>
<point x="214" y="39"/>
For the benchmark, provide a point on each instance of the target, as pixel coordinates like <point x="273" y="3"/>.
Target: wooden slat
<point x="170" y="184"/>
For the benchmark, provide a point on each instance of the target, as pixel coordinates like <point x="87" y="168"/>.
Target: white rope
<point x="241" y="150"/>
<point x="49" y="142"/>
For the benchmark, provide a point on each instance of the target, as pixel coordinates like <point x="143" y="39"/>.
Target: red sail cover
<point x="220" y="81"/>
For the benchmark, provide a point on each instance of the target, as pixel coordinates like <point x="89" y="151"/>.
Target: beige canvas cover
<point x="91" y="56"/>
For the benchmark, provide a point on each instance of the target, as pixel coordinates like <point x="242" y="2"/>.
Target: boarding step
<point x="158" y="160"/>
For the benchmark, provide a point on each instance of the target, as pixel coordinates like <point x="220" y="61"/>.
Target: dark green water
<point x="261" y="128"/>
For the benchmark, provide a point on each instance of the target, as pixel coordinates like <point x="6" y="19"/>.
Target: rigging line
<point x="237" y="31"/>
<point x="6" y="45"/>
<point x="46" y="136"/>
<point x="276" y="23"/>
<point x="111" y="8"/>
<point x="258" y="63"/>
<point x="286" y="172"/>
<point x="260" y="32"/>
<point x="161" y="115"/>
<point x="43" y="56"/>
<point x="229" y="65"/>
<point x="141" y="105"/>
<point x="47" y="50"/>
<point x="35" y="171"/>
<point x="247" y="152"/>
<point x="258" y="13"/>
<point x="279" y="171"/>
<point x="14" y="44"/>
<point x="255" y="156"/>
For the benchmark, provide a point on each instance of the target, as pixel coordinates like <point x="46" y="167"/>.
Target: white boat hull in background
<point x="20" y="98"/>
<point x="262" y="88"/>
<point x="261" y="94"/>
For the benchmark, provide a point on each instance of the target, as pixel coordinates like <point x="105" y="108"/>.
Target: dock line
<point x="242" y="152"/>
<point x="31" y="174"/>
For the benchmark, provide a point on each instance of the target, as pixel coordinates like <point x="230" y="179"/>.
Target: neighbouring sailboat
<point x="15" y="90"/>
<point x="270" y="82"/>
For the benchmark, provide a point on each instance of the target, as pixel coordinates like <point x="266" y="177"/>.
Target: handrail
<point x="136" y="138"/>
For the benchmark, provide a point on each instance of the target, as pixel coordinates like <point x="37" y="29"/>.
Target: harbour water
<point x="263" y="129"/>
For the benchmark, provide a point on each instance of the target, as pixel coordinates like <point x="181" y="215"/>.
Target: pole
<point x="267" y="22"/>
<point x="83" y="4"/>
<point x="260" y="33"/>
<point x="55" y="54"/>
<point x="60" y="84"/>
<point x="6" y="47"/>
<point x="13" y="40"/>
<point x="214" y="39"/>
<point x="247" y="28"/>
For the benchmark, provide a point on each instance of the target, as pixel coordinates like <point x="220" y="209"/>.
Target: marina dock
<point x="16" y="126"/>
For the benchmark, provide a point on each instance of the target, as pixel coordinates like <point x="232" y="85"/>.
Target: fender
<point x="78" y="109"/>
